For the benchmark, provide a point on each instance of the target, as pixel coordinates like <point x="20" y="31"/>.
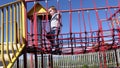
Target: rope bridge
<point x="84" y="29"/>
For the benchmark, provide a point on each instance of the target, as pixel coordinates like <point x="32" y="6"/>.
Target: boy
<point x="55" y="27"/>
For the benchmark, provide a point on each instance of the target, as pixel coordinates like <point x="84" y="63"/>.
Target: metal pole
<point x="42" y="60"/>
<point x="36" y="63"/>
<point x="116" y="59"/>
<point x="25" y="58"/>
<point x="51" y="58"/>
<point x="18" y="63"/>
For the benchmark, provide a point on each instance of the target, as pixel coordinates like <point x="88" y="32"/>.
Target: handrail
<point x="12" y="32"/>
<point x="7" y="34"/>
<point x="2" y="38"/>
<point x="6" y="5"/>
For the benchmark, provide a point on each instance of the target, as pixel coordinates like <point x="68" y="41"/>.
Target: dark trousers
<point x="52" y="36"/>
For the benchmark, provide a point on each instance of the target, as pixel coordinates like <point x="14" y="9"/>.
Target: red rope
<point x="110" y="15"/>
<point x="48" y="48"/>
<point x="99" y="22"/>
<point x="115" y="18"/>
<point x="70" y="17"/>
<point x="83" y="19"/>
<point x="119" y="10"/>
<point x="91" y="32"/>
<point x="118" y="19"/>
<point x="79" y="21"/>
<point x="89" y="22"/>
<point x="84" y="23"/>
<point x="99" y="27"/>
<point x="106" y="15"/>
<point x="107" y="5"/>
<point x="111" y="30"/>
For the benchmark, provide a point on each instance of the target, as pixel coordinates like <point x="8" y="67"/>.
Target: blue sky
<point x="79" y="20"/>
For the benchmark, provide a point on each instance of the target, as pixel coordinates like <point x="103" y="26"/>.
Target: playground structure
<point x="92" y="34"/>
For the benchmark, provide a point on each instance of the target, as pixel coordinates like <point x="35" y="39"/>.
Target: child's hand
<point x="59" y="12"/>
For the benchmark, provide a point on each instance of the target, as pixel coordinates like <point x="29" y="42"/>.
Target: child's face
<point x="51" y="11"/>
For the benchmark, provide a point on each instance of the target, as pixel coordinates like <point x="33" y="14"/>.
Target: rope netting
<point x="89" y="25"/>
